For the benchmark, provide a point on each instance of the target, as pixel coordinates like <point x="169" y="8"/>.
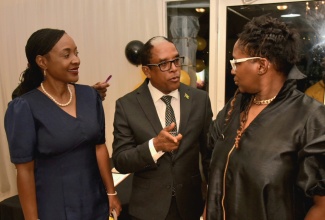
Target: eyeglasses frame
<point x="234" y="61"/>
<point x="167" y="61"/>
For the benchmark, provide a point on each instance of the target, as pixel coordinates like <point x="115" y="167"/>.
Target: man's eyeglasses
<point x="167" y="65"/>
<point x="234" y="61"/>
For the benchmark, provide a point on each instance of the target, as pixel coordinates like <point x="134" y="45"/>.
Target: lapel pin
<point x="186" y="96"/>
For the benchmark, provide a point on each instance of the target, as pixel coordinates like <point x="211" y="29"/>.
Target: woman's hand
<point x="114" y="204"/>
<point x="101" y="88"/>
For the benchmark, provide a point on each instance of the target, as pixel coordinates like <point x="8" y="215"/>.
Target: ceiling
<point x="189" y="4"/>
<point x="308" y="23"/>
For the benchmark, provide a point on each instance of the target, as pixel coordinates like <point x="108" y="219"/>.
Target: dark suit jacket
<point x="136" y="122"/>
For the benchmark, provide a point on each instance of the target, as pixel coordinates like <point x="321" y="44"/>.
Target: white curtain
<point x="184" y="30"/>
<point x="101" y="30"/>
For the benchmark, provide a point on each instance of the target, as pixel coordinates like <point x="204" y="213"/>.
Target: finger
<point x="103" y="85"/>
<point x="170" y="137"/>
<point x="179" y="137"/>
<point x="96" y="86"/>
<point x="170" y="127"/>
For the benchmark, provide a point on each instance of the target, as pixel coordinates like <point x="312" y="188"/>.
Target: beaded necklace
<point x="53" y="99"/>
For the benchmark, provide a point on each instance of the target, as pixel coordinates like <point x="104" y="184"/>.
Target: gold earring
<point x="44" y="73"/>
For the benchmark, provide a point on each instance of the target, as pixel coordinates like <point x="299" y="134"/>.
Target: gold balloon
<point x="185" y="78"/>
<point x="200" y="65"/>
<point x="201" y="43"/>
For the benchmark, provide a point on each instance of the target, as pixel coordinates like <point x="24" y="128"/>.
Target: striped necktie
<point x="169" y="114"/>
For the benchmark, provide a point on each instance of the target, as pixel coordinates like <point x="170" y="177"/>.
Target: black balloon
<point x="132" y="51"/>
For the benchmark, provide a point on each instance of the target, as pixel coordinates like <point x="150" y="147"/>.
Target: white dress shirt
<point x="161" y="108"/>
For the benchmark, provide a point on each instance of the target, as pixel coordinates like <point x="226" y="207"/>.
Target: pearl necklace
<point x="263" y="102"/>
<point x="53" y="99"/>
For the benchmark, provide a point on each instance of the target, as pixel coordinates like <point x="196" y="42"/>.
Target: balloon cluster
<point x="132" y="52"/>
<point x="202" y="54"/>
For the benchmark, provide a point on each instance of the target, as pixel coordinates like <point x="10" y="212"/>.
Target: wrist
<point x="155" y="144"/>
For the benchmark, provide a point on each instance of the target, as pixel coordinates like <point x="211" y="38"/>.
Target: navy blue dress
<point x="68" y="181"/>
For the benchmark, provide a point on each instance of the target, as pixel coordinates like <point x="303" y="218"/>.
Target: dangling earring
<point x="44" y="72"/>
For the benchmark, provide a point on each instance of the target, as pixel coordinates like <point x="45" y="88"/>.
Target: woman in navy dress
<point x="56" y="136"/>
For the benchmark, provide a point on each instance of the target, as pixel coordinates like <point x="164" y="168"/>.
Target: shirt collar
<point x="295" y="73"/>
<point x="156" y="94"/>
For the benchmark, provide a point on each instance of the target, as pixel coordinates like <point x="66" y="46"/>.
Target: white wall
<point x="101" y="30"/>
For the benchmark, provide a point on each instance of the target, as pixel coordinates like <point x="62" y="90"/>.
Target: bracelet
<point x="112" y="194"/>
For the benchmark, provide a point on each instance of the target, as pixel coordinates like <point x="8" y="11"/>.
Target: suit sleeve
<point x="128" y="155"/>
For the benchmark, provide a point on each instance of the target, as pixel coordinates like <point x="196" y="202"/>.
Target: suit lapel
<point x="185" y="105"/>
<point x="148" y="107"/>
<point x="185" y="108"/>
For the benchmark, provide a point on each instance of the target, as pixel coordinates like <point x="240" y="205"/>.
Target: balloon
<point x="185" y="78"/>
<point x="132" y="51"/>
<point x="201" y="43"/>
<point x="200" y="65"/>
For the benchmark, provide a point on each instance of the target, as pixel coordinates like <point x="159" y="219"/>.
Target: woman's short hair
<point x="273" y="39"/>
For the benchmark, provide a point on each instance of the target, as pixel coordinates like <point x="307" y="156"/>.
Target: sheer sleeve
<point x="21" y="131"/>
<point x="311" y="175"/>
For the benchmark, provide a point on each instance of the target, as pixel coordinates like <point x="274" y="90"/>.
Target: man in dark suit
<point x="167" y="179"/>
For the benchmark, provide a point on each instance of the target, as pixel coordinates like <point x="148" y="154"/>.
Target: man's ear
<point x="41" y="62"/>
<point x="146" y="71"/>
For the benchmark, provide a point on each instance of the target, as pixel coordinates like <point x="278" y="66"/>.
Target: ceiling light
<point x="200" y="10"/>
<point x="290" y="15"/>
<point x="282" y="7"/>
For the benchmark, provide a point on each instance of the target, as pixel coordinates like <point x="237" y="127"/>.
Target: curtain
<point x="184" y="30"/>
<point x="100" y="28"/>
